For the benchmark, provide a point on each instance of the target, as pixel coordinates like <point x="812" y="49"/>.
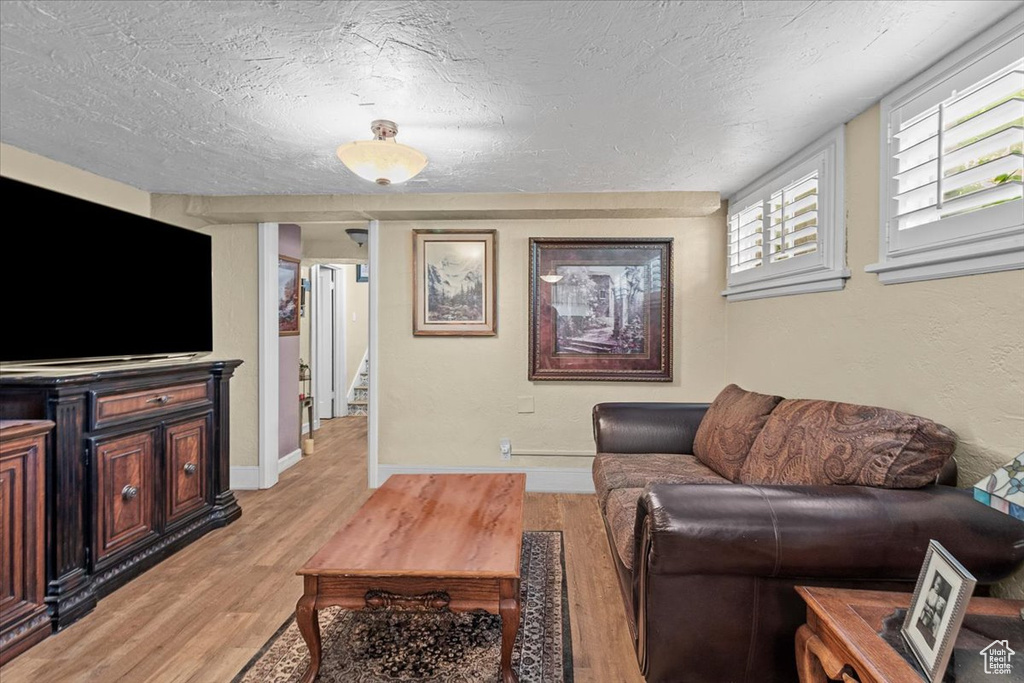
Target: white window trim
<point x="806" y="274"/>
<point x="968" y="254"/>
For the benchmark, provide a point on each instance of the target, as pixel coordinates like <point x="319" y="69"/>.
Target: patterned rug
<point x="384" y="646"/>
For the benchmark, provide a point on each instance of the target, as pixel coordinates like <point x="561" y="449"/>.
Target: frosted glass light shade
<point x="384" y="162"/>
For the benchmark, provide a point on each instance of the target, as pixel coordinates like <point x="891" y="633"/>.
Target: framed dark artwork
<point x="288" y="285"/>
<point x="455" y="282"/>
<point x="362" y="272"/>
<point x="601" y="309"/>
<point x="937" y="610"/>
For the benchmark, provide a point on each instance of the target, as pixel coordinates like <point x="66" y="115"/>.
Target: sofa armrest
<point x="647" y="427"/>
<point x="840" y="532"/>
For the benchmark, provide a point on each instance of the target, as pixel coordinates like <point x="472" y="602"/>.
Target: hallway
<point x="201" y="614"/>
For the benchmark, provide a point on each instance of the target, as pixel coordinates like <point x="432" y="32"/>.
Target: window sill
<point x="822" y="281"/>
<point x="1004" y="253"/>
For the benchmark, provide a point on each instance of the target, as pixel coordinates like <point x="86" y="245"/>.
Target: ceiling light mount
<point x="383" y="129"/>
<point x="382" y="160"/>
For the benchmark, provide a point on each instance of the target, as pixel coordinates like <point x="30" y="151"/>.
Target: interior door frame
<point x="268" y="353"/>
<point x="339" y="405"/>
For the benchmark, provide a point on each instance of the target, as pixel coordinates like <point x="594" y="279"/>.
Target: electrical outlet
<point x="506" y="449"/>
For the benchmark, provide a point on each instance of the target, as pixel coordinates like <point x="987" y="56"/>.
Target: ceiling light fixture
<point x="382" y="160"/>
<point x="358" y="235"/>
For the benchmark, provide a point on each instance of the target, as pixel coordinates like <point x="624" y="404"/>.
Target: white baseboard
<point x="540" y="479"/>
<point x="289" y="460"/>
<point x="305" y="428"/>
<point x="245" y="478"/>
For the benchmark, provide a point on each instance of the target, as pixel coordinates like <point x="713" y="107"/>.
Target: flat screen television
<point x="81" y="281"/>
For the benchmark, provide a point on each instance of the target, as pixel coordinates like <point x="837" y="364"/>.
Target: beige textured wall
<point x="951" y="350"/>
<point x="31" y="168"/>
<point x="447" y="401"/>
<point x="236" y="330"/>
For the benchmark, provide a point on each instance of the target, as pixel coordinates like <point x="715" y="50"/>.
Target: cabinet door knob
<point x="190" y="468"/>
<point x="129" y="492"/>
<point x="160" y="399"/>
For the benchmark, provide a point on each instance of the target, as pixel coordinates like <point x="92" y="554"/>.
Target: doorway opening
<point x="338" y="340"/>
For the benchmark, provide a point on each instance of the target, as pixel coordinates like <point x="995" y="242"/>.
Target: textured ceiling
<point x="253" y="97"/>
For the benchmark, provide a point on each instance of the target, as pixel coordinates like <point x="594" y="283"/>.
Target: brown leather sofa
<point x="817" y="493"/>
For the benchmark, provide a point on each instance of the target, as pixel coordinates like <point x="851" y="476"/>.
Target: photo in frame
<point x="362" y="272"/>
<point x="937" y="610"/>
<point x="455" y="283"/>
<point x="601" y="309"/>
<point x="288" y="285"/>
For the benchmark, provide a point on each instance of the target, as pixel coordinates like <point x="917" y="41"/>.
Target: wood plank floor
<point x="201" y="614"/>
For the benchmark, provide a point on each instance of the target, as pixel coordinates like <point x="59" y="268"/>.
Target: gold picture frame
<point x="289" y="283"/>
<point x="455" y="283"/>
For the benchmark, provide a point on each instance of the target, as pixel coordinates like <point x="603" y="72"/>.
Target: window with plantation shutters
<point x="952" y="164"/>
<point x="786" y="232"/>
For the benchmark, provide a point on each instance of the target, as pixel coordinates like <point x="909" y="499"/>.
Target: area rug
<point x="384" y="646"/>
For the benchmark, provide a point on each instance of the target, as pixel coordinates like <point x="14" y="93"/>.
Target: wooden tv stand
<point x="137" y="468"/>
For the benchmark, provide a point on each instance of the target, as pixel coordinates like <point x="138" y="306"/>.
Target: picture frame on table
<point x="601" y="309"/>
<point x="937" y="610"/>
<point x="455" y="283"/>
<point x="288" y="286"/>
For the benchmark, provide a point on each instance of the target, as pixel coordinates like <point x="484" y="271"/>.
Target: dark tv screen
<point x="84" y="281"/>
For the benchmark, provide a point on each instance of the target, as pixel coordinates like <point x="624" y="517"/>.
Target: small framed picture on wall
<point x="455" y="283"/>
<point x="288" y="285"/>
<point x="362" y="272"/>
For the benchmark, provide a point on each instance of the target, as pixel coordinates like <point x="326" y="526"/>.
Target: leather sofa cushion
<point x="628" y="470"/>
<point x="621" y="515"/>
<point x="813" y="442"/>
<point x="730" y="427"/>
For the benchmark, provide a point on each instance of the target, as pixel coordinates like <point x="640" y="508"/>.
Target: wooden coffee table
<point x="429" y="542"/>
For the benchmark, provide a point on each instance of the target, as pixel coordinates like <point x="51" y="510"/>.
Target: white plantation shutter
<point x="963" y="155"/>
<point x="786" y="235"/>
<point x="952" y="164"/>
<point x="746" y="232"/>
<point x="794" y="219"/>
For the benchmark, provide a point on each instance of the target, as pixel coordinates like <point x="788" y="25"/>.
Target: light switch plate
<point x="525" y="404"/>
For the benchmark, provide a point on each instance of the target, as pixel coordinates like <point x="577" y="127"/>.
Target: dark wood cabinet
<point x="125" y="493"/>
<point x="186" y="452"/>
<point x="137" y="468"/>
<point x="23" y="618"/>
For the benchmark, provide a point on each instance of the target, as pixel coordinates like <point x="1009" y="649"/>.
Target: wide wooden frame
<point x="488" y="326"/>
<point x="654" y="363"/>
<point x="938" y="562"/>
<point x="284" y="328"/>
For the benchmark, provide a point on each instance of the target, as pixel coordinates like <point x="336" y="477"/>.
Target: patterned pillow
<point x="729" y="428"/>
<point x="825" y="442"/>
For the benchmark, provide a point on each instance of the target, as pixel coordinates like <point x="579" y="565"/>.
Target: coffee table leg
<point x="508" y="608"/>
<point x="309" y="626"/>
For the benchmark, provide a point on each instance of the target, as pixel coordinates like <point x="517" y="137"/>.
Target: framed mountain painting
<point x="455" y="283"/>
<point x="601" y="309"/>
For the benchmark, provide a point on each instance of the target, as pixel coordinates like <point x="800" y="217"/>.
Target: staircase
<point x="359" y="394"/>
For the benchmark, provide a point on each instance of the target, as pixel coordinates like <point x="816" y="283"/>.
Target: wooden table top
<point x="855" y="617"/>
<point x="437" y="525"/>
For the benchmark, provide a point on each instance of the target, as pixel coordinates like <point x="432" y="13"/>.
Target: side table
<point x="840" y="640"/>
